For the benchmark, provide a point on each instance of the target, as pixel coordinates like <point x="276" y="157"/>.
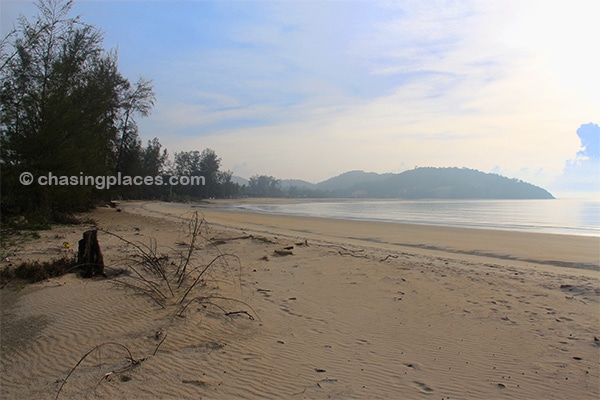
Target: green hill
<point x="431" y="183"/>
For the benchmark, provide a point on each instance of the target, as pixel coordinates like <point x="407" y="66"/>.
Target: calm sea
<point x="562" y="216"/>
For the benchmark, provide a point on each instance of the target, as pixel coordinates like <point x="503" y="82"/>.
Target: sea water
<point x="559" y="216"/>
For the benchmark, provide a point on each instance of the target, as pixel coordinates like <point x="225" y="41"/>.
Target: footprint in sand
<point x="424" y="387"/>
<point x="414" y="366"/>
<point x="264" y="292"/>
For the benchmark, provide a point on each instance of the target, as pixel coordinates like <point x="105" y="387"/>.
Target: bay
<point x="558" y="216"/>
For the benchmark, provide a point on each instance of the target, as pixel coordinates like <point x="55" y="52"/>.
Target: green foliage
<point x="138" y="99"/>
<point x="207" y="164"/>
<point x="225" y="187"/>
<point x="187" y="163"/>
<point x="264" y="186"/>
<point x="66" y="110"/>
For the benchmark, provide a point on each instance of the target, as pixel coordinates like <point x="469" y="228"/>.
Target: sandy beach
<point x="310" y="308"/>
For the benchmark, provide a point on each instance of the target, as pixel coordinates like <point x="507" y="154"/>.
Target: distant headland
<point x="418" y="183"/>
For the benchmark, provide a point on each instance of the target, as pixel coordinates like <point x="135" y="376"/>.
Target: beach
<point x="310" y="308"/>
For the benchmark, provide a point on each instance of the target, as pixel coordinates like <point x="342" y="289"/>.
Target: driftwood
<point x="347" y="252"/>
<point x="223" y="240"/>
<point x="227" y="239"/>
<point x="343" y="248"/>
<point x="264" y="239"/>
<point x="89" y="257"/>
<point x="352" y="254"/>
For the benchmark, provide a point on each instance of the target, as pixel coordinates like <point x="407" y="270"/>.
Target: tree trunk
<point x="89" y="256"/>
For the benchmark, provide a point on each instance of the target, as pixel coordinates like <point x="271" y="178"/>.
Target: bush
<point x="36" y="271"/>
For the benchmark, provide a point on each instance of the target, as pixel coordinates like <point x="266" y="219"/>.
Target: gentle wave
<point x="562" y="216"/>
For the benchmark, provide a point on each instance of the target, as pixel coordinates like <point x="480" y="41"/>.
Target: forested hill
<point x="432" y="183"/>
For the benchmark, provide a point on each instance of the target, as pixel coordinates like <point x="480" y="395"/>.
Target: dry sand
<point x="366" y="310"/>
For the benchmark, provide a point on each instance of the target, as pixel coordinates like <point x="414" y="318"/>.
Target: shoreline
<point x="549" y="250"/>
<point x="242" y="204"/>
<point x="353" y="310"/>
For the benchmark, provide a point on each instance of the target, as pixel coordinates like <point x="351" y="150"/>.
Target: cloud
<point x="589" y="134"/>
<point x="312" y="89"/>
<point x="581" y="175"/>
<point x="203" y="118"/>
<point x="410" y="127"/>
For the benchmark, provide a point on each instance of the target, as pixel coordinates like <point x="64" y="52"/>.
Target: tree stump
<point x="89" y="256"/>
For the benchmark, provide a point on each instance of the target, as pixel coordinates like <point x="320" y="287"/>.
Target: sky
<point x="312" y="89"/>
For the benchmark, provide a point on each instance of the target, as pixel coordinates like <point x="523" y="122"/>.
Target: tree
<point x="264" y="186"/>
<point x="153" y="163"/>
<point x="226" y="187"/>
<point x="187" y="163"/>
<point x="209" y="169"/>
<point x="195" y="163"/>
<point x="153" y="160"/>
<point x="64" y="105"/>
<point x="138" y="99"/>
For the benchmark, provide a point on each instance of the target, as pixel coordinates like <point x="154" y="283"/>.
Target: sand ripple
<point x="333" y="324"/>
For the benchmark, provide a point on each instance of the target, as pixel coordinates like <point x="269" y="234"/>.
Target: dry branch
<point x="213" y="239"/>
<point x="240" y="312"/>
<point x="352" y="254"/>
<point x="208" y="301"/>
<point x="195" y="230"/>
<point x="220" y="256"/>
<point x="132" y="363"/>
<point x="160" y="343"/>
<point x="343" y="248"/>
<point x="171" y="285"/>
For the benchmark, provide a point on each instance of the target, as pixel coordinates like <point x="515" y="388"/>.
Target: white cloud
<point x="495" y="87"/>
<point x="198" y="116"/>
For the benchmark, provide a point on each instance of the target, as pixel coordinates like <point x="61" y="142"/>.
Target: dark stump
<point x="89" y="256"/>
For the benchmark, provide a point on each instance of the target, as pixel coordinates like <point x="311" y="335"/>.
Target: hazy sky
<point x="311" y="89"/>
